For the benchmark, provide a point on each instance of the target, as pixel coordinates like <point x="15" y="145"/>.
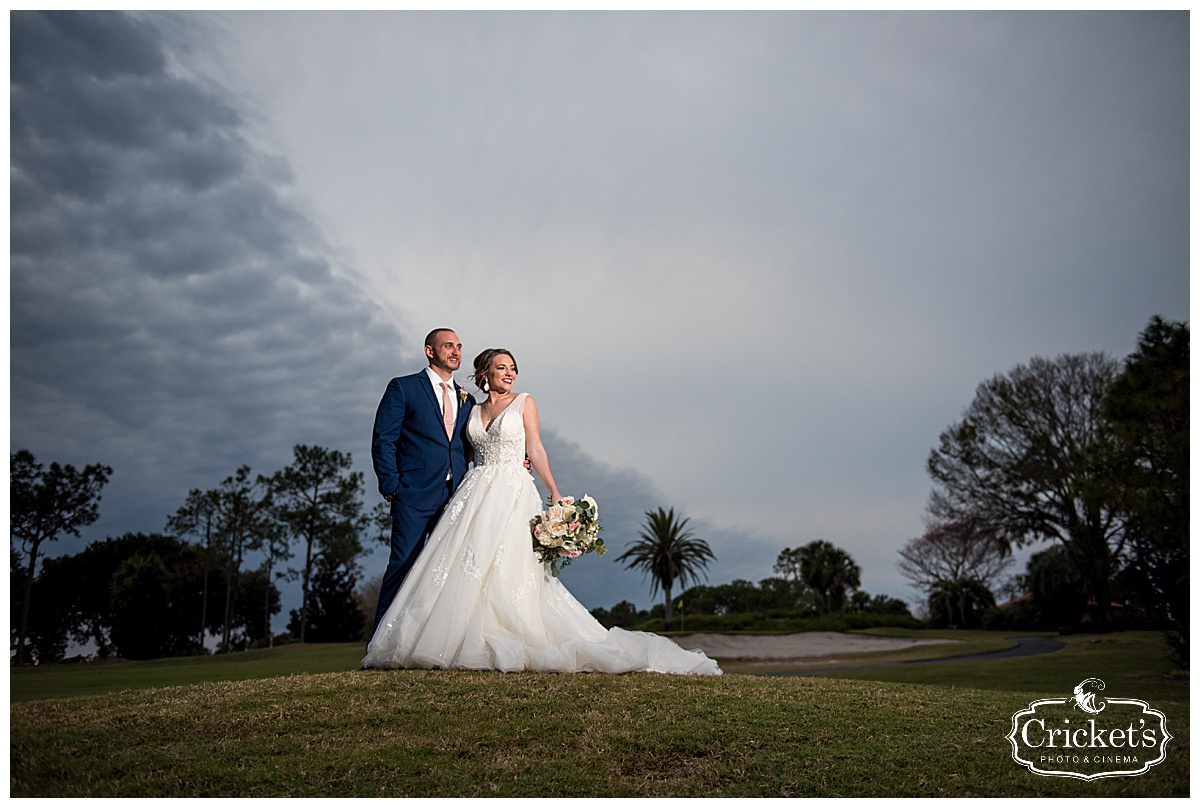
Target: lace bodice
<point x="503" y="442"/>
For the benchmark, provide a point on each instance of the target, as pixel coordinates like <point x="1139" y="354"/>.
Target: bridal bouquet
<point x="565" y="530"/>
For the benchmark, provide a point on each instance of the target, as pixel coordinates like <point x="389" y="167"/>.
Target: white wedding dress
<point x="479" y="598"/>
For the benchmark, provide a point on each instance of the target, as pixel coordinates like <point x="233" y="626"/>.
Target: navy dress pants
<point x="410" y="531"/>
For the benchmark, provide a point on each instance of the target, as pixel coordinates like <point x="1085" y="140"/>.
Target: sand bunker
<point x="806" y="645"/>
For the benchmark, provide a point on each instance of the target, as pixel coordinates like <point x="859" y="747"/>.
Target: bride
<point x="477" y="596"/>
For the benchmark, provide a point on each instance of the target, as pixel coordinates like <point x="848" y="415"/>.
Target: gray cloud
<point x="763" y="259"/>
<point x="624" y="496"/>
<point x="175" y="314"/>
<point x="865" y="214"/>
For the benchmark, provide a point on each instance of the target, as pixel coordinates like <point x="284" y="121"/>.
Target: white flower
<point x="565" y="530"/>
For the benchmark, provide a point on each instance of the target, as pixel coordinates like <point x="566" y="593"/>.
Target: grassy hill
<point x="351" y="733"/>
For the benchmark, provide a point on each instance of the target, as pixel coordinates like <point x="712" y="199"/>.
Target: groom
<point x="419" y="450"/>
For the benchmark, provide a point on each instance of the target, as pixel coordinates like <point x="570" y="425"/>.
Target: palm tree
<point x="668" y="552"/>
<point x="959" y="603"/>
<point x="830" y="572"/>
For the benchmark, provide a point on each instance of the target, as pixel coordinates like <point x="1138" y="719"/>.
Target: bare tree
<point x="956" y="550"/>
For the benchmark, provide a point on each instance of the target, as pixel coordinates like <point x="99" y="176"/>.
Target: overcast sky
<point x="750" y="265"/>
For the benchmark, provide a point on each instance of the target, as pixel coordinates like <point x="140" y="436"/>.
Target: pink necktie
<point x="447" y="410"/>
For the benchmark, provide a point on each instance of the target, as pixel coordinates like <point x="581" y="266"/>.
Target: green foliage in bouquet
<point x="566" y="530"/>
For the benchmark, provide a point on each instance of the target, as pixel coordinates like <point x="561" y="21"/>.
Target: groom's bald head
<point x="431" y="339"/>
<point x="444" y="351"/>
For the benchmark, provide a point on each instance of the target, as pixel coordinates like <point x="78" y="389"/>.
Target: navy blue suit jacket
<point x="409" y="447"/>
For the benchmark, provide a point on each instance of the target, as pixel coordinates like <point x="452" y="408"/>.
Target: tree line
<point x="815" y="579"/>
<point x="214" y="570"/>
<point x="1081" y="451"/>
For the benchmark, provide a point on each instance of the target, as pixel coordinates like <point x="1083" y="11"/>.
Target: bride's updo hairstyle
<point x="483" y="363"/>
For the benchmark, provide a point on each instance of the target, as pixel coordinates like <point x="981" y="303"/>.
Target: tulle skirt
<point x="478" y="598"/>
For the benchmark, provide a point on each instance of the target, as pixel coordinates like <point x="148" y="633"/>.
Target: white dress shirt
<point x="437" y="390"/>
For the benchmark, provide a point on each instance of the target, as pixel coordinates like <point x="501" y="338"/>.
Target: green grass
<point x="1133" y="664"/>
<point x="350" y="733"/>
<point x="55" y="681"/>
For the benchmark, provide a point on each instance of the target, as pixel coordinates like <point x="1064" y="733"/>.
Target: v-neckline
<point x="499" y="415"/>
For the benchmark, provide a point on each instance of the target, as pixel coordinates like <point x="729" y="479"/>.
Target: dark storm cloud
<point x="173" y="314"/>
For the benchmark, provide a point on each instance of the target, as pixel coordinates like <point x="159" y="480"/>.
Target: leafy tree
<point x="333" y="613"/>
<point x="668" y="552"/>
<point x="736" y="597"/>
<point x="959" y="603"/>
<point x="788" y="565"/>
<point x="244" y="522"/>
<point x="784" y="593"/>
<point x="701" y="599"/>
<point x="274" y="545"/>
<point x="1058" y="591"/>
<point x="80" y="584"/>
<point x="233" y="519"/>
<point x="47" y="633"/>
<point x="198" y="517"/>
<point x="257" y="599"/>
<point x="44" y="506"/>
<point x="863" y="603"/>
<point x="741" y="597"/>
<point x="829" y="572"/>
<point x="623" y="615"/>
<point x="142" y="609"/>
<point x="1027" y="461"/>
<point x="154" y="593"/>
<point x="137" y="596"/>
<point x="317" y="500"/>
<point x="1147" y="409"/>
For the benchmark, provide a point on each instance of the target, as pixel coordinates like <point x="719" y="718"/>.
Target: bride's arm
<point x="535" y="450"/>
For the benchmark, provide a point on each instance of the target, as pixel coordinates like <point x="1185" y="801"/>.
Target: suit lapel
<point x="433" y="397"/>
<point x="427" y="384"/>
